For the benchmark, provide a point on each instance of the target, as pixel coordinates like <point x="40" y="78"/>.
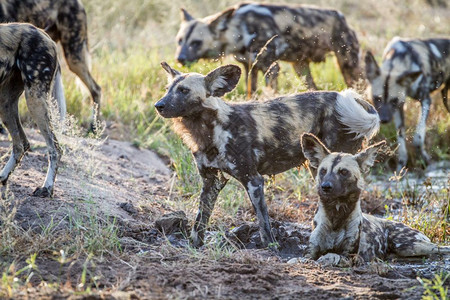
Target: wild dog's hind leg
<point x="36" y="97"/>
<point x="213" y="183"/>
<point x="419" y="137"/>
<point x="399" y="120"/>
<point x="254" y="186"/>
<point x="73" y="36"/>
<point x="407" y="242"/>
<point x="10" y="116"/>
<point x="302" y="69"/>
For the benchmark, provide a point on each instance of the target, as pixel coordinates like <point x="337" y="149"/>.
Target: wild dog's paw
<point x="297" y="260"/>
<point x="3" y="180"/>
<point x="335" y="260"/>
<point x="43" y="192"/>
<point x="195" y="240"/>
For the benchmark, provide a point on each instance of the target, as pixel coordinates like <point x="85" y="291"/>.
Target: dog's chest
<point x="215" y="153"/>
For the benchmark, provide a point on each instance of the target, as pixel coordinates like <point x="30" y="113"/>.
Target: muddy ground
<point x="129" y="184"/>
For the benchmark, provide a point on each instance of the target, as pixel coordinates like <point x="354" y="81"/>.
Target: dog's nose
<point x="182" y="59"/>
<point x="384" y="120"/>
<point x="159" y="106"/>
<point x="326" y="187"/>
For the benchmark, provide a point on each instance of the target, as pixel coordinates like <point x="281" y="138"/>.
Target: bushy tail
<point x="358" y="115"/>
<point x="58" y="94"/>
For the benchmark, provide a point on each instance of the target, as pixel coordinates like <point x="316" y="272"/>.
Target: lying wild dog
<point x="341" y="230"/>
<point x="66" y="22"/>
<point x="301" y="34"/>
<point x="248" y="140"/>
<point x="29" y="63"/>
<point x="411" y="68"/>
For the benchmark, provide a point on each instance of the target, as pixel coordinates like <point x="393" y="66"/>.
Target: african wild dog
<point x="29" y="63"/>
<point x="411" y="68"/>
<point x="341" y="230"/>
<point x="248" y="140"/>
<point x="302" y="34"/>
<point x="66" y="22"/>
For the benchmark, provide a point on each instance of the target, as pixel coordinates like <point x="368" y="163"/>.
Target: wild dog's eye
<point x="394" y="101"/>
<point x="377" y="98"/>
<point x="183" y="90"/>
<point x="323" y="171"/>
<point x="196" y="44"/>
<point x="343" y="172"/>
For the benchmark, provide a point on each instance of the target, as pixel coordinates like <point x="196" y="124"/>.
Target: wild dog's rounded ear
<point x="171" y="73"/>
<point x="313" y="149"/>
<point x="366" y="158"/>
<point x="372" y="69"/>
<point x="222" y="80"/>
<point x="185" y="16"/>
<point x="219" y="23"/>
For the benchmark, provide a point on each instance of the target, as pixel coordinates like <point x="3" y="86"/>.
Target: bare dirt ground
<point x="120" y="181"/>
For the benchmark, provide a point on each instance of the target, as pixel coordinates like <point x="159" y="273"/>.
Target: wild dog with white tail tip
<point x="261" y="34"/>
<point x="413" y="68"/>
<point x="28" y="62"/>
<point x="249" y="140"/>
<point x="342" y="234"/>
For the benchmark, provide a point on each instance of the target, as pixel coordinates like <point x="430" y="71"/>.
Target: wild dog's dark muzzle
<point x="160" y="105"/>
<point x="187" y="55"/>
<point x="385" y="113"/>
<point x="182" y="59"/>
<point x="327" y="187"/>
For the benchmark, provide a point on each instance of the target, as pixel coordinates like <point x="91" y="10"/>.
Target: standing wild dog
<point x="341" y="230"/>
<point x="248" y="140"/>
<point x="411" y="68"/>
<point x="301" y="34"/>
<point x="29" y="63"/>
<point x="66" y="22"/>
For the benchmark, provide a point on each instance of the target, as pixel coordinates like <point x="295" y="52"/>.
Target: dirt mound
<point x="112" y="179"/>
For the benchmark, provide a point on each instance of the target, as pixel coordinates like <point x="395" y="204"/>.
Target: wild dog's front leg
<point x="251" y="78"/>
<point x="302" y="69"/>
<point x="254" y="186"/>
<point x="419" y="137"/>
<point x="213" y="183"/>
<point x="10" y="117"/>
<point x="271" y="75"/>
<point x="399" y="120"/>
<point x="313" y="251"/>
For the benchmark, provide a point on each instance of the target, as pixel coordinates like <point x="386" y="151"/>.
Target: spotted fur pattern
<point x="412" y="68"/>
<point x="64" y="21"/>
<point x="302" y="34"/>
<point x="28" y="62"/>
<point x="342" y="234"/>
<point x="252" y="139"/>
